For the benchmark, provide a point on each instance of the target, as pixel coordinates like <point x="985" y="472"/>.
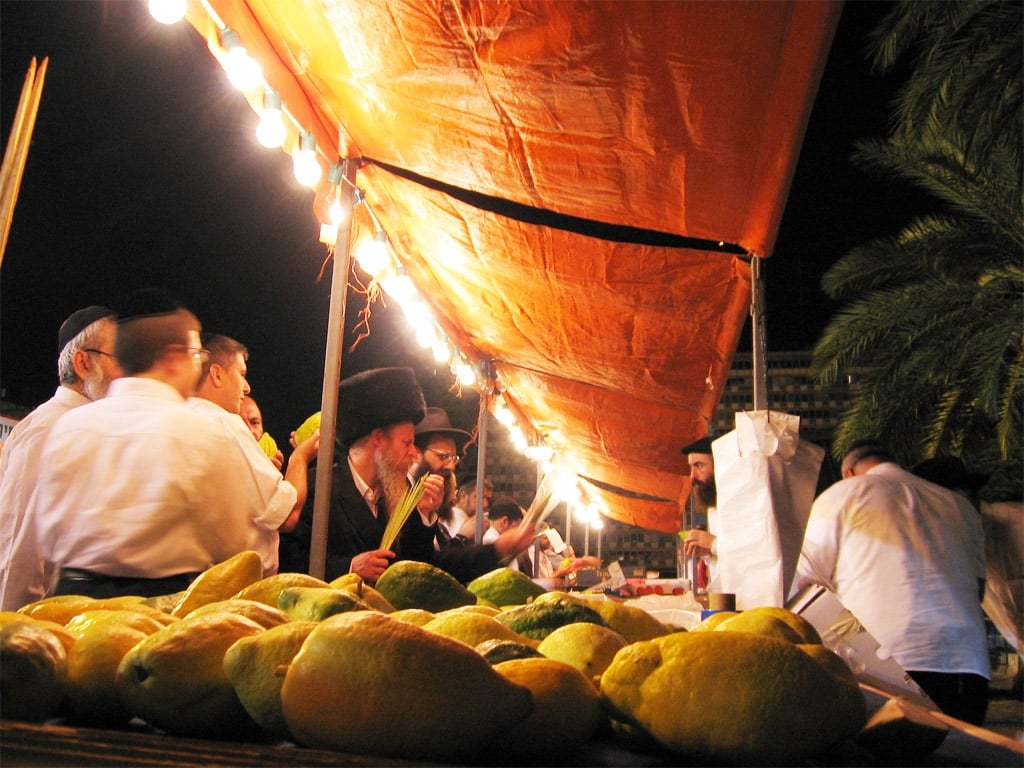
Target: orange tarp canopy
<point x="575" y="188"/>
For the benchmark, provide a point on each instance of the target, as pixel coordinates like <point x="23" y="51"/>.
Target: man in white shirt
<point x="219" y="397"/>
<point x="85" y="367"/>
<point x="137" y="494"/>
<point x="907" y="558"/>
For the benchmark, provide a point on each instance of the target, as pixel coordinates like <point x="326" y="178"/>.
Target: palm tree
<point x="935" y="314"/>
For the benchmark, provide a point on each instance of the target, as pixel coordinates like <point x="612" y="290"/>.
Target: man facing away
<point x="85" y="367"/>
<point x="137" y="494"/>
<point x="907" y="558"/>
<point x="222" y="389"/>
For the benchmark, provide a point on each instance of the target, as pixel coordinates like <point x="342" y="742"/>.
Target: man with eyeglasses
<point x="439" y="455"/>
<point x="137" y="494"/>
<point x="222" y="389"/>
<point x="85" y="367"/>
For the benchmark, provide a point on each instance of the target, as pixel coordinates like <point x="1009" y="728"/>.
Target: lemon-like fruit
<point x="505" y="586"/>
<point x="268" y="444"/>
<point x="731" y="697"/>
<point x="473" y="628"/>
<point x="103" y="638"/>
<point x="59" y="609"/>
<point x="368" y="684"/>
<point x="363" y="591"/>
<point x="175" y="680"/>
<point x="566" y="711"/>
<point x="412" y="584"/>
<point x="268" y="589"/>
<point x="307" y="428"/>
<point x="66" y="638"/>
<point x="586" y="647"/>
<point x="808" y="632"/>
<point x="317" y="603"/>
<point x="631" y="622"/>
<point x="761" y="624"/>
<point x="416" y="616"/>
<point x="712" y="621"/>
<point x="33" y="671"/>
<point x="221" y="581"/>
<point x="256" y="665"/>
<point x="264" y="615"/>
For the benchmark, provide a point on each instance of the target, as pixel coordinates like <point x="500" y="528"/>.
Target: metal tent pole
<point x="757" y="308"/>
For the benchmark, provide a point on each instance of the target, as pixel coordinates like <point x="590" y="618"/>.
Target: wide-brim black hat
<point x="376" y="399"/>
<point x="80" y="320"/>
<point x="950" y="472"/>
<point x="436" y="422"/>
<point x="703" y="445"/>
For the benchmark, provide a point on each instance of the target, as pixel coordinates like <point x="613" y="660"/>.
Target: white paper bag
<point x="766" y="478"/>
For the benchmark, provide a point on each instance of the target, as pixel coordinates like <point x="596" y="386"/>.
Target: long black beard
<point x="707" y="494"/>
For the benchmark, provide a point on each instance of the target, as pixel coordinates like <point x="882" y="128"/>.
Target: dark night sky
<point x="144" y="171"/>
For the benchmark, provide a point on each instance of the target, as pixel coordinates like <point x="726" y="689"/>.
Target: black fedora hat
<point x="436" y="421"/>
<point x="703" y="445"/>
<point x="376" y="399"/>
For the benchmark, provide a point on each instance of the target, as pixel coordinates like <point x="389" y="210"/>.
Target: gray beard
<point x="393" y="481"/>
<point x="95" y="386"/>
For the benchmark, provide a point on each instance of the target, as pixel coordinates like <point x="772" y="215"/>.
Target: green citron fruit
<point x="731" y="698"/>
<point x="103" y="638"/>
<point x="221" y="581"/>
<point x="268" y="444"/>
<point x="631" y="622"/>
<point x="367" y="684"/>
<point x="33" y="671"/>
<point x="566" y="711"/>
<point x="587" y="647"/>
<point x="412" y="584"/>
<point x="317" y="603"/>
<point x="540" y="618"/>
<point x="175" y="680"/>
<point x="268" y="589"/>
<point x="505" y="586"/>
<point x="256" y="665"/>
<point x="473" y="628"/>
<point x="264" y="615"/>
<point x="307" y="428"/>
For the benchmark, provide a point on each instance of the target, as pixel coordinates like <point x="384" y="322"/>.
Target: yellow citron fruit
<point x="481" y="608"/>
<point x="59" y="609"/>
<point x="807" y="631"/>
<point x="221" y="581"/>
<point x="256" y="665"/>
<point x="59" y="630"/>
<point x="586" y="647"/>
<point x="307" y="428"/>
<point x="731" y="697"/>
<point x="631" y="622"/>
<point x="264" y="615"/>
<point x="104" y="637"/>
<point x="174" y="679"/>
<point x="566" y="711"/>
<point x="712" y="621"/>
<point x="268" y="444"/>
<point x="416" y="616"/>
<point x="356" y="586"/>
<point x="268" y="589"/>
<point x="473" y="628"/>
<point x="33" y="671"/>
<point x="830" y="660"/>
<point x="368" y="684"/>
<point x="760" y="624"/>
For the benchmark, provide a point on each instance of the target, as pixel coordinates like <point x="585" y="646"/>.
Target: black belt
<point x="76" y="574"/>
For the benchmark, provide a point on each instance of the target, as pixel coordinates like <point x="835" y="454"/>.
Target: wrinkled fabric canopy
<point x="576" y="189"/>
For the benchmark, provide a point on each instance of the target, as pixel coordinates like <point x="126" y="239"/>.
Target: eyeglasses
<point x="454" y="458"/>
<point x="99" y="352"/>
<point x="196" y="353"/>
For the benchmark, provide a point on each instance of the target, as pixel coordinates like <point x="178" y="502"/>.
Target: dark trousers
<point x="960" y="695"/>
<point x="98" y="586"/>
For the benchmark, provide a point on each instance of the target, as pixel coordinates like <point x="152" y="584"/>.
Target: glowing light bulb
<point x="539" y="451"/>
<point x="399" y="287"/>
<point x="168" y="11"/>
<point x="425" y="336"/>
<point x="270" y="132"/>
<point x="244" y="72"/>
<point x="503" y="414"/>
<point x="440" y="350"/>
<point x="372" y="255"/>
<point x="466" y="374"/>
<point x="306" y="166"/>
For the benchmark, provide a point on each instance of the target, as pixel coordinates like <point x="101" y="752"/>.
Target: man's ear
<point x="82" y="363"/>
<point x="216" y="374"/>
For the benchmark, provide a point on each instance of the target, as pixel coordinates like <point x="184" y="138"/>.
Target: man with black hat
<point x="85" y="367"/>
<point x="700" y="541"/>
<point x="378" y="411"/>
<point x="436" y="441"/>
<point x="137" y="494"/>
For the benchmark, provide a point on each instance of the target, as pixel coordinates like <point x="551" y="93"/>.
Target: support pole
<point x="332" y="376"/>
<point x="757" y="308"/>
<point x="481" y="466"/>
